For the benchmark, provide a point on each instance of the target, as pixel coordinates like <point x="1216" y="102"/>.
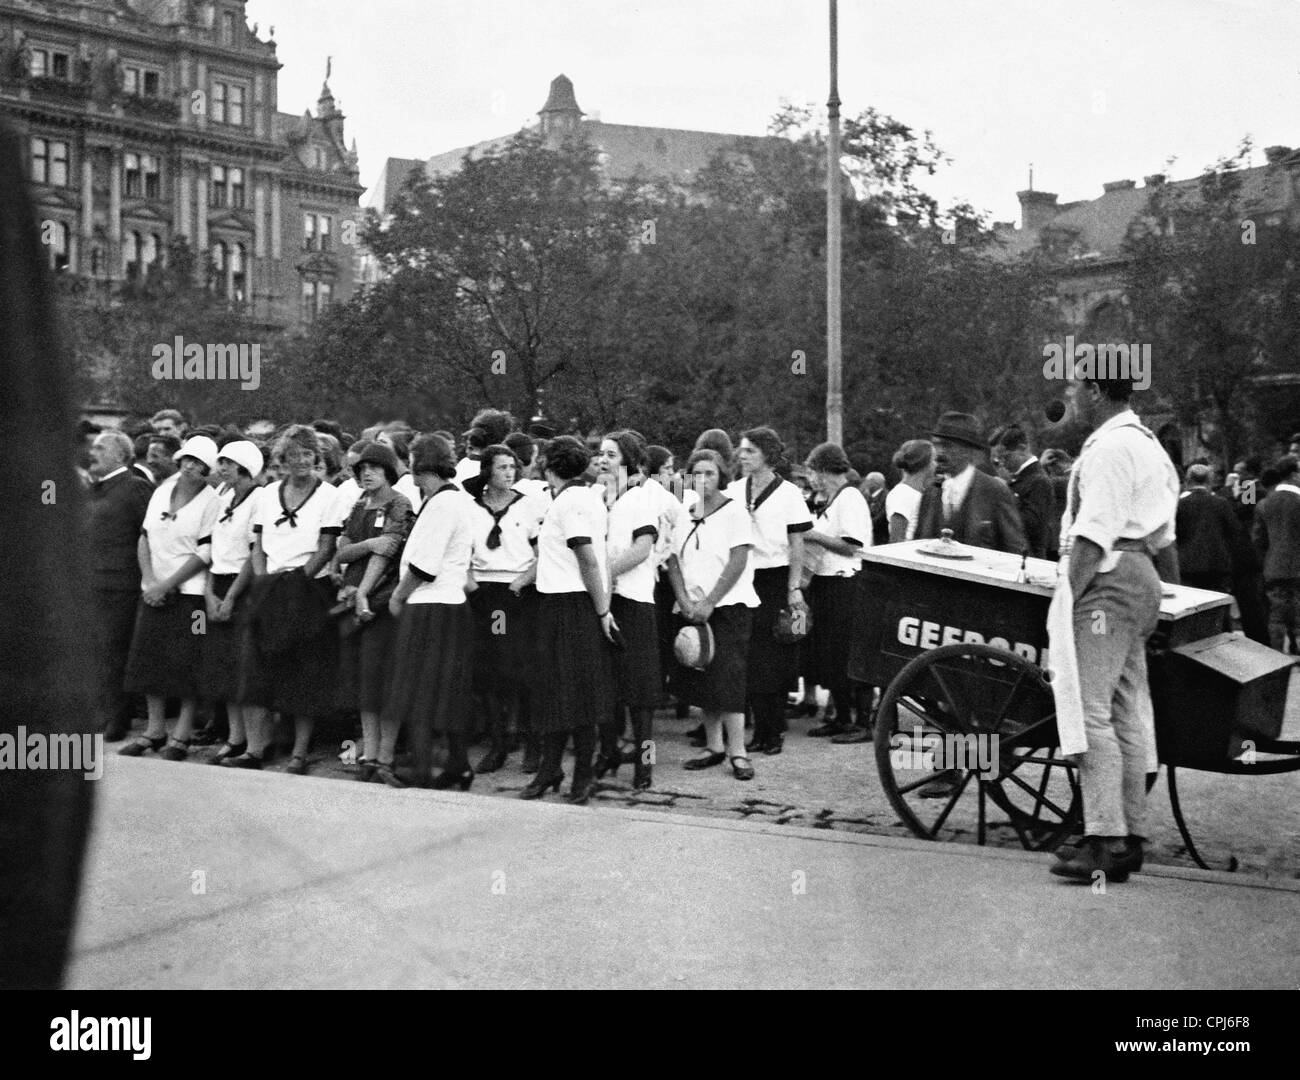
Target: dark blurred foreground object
<point x="44" y="636"/>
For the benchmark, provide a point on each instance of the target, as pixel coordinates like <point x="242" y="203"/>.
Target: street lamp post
<point x="834" y="359"/>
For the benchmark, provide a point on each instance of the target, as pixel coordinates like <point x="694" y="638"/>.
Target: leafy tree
<point x="1213" y="285"/>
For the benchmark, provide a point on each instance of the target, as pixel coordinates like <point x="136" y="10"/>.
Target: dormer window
<point x="228" y="103"/>
<point x="316" y="232"/>
<point x="228" y="29"/>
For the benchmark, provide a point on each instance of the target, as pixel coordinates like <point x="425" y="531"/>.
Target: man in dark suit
<point x="118" y="501"/>
<point x="979" y="509"/>
<point x="1035" y="495"/>
<point x="1277" y="537"/>
<point x="1210" y="541"/>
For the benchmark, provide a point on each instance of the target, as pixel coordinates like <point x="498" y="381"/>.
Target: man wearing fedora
<point x="979" y="509"/>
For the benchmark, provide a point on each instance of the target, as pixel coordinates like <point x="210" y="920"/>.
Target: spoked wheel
<point x="965" y="726"/>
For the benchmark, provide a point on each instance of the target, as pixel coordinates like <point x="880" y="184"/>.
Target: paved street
<point x="815" y="784"/>
<point x="202" y="878"/>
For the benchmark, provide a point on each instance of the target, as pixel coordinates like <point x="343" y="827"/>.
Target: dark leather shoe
<point x="116" y="731"/>
<point x="775" y="744"/>
<point x="825" y="731"/>
<point x="853" y="734"/>
<point x="493" y="760"/>
<point x="941" y="787"/>
<point x="243" y="761"/>
<point x="1097" y="854"/>
<point x="705" y="761"/>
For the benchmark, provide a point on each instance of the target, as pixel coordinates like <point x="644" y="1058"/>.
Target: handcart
<point x="967" y="723"/>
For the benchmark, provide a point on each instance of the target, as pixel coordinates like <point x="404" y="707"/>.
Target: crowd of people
<point x="536" y="590"/>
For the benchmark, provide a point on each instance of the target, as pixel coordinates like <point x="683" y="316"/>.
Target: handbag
<point x="791" y="626"/>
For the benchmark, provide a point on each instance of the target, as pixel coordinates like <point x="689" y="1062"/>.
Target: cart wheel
<point x="984" y="720"/>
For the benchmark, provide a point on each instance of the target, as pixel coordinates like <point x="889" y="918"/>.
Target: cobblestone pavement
<point x="814" y="783"/>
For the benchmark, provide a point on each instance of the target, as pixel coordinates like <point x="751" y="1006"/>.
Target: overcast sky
<point x="1087" y="90"/>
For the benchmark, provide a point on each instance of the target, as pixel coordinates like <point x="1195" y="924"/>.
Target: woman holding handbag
<point x="780" y="518"/>
<point x="841" y="530"/>
<point x="713" y="581"/>
<point x="368" y="549"/>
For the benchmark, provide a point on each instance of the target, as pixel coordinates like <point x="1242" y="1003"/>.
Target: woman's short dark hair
<point x="522" y="445"/>
<point x="495" y="424"/>
<point x="829" y="457"/>
<point x="433" y="454"/>
<point x="718" y="441"/>
<point x="629" y="447"/>
<point x="489" y="460"/>
<point x="724" y="468"/>
<point x="914" y="455"/>
<point x="656" y="457"/>
<point x="401" y="444"/>
<point x="567" y="457"/>
<point x="769" y="445"/>
<point x="301" y="436"/>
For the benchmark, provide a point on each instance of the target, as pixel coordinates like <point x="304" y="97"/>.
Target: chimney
<point x="1276" y="154"/>
<point x="1155" y="179"/>
<point x="1037" y="208"/>
<point x="1118" y="185"/>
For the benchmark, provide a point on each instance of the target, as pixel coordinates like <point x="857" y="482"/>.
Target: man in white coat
<point x="1118" y="529"/>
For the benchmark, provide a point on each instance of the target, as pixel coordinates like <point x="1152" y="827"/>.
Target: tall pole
<point x="834" y="359"/>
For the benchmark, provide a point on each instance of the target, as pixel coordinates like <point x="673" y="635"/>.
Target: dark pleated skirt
<point x="667" y="624"/>
<point x="636" y="666"/>
<point x="722" y="687"/>
<point x="502" y="638"/>
<point x="223" y="648"/>
<point x="832" y="600"/>
<point x="573" y="683"/>
<point x="432" y="669"/>
<point x="365" y="658"/>
<point x="166" y="653"/>
<point x="773" y="667"/>
<point x="301" y="681"/>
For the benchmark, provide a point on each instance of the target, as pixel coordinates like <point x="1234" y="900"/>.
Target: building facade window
<point x="227" y="188"/>
<point x="50" y="63"/>
<point x="230" y="271"/>
<point x="316" y="232"/>
<point x="142" y="81"/>
<point x="228" y="28"/>
<point x="60" y="246"/>
<point x="316" y="299"/>
<point x="141" y="175"/>
<point x="49" y="162"/>
<point x="228" y="103"/>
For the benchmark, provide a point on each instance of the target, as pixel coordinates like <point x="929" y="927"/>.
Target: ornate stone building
<point x="149" y="120"/>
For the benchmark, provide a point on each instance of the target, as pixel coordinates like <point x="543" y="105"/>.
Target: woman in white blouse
<point x="166" y="647"/>
<point x="505" y="529"/>
<point x="634" y="512"/>
<point x="292" y="661"/>
<point x="713" y="581"/>
<point x="239" y="463"/>
<point x="434" y="648"/>
<point x="573" y="691"/>
<point x="833" y="548"/>
<point x="780" y="518"/>
<point x="915" y="460"/>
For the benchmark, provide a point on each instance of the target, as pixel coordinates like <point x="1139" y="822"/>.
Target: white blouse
<point x="633" y="515"/>
<point x="847" y="517"/>
<point x="232" y="531"/>
<point x="672" y="519"/>
<point x="576" y="513"/>
<point x="173" y="539"/>
<point x="704" y="548"/>
<point x="440" y="546"/>
<point x="519" y="526"/>
<point x="289" y="539"/>
<point x="905" y="500"/>
<point x="783" y="512"/>
<point x="407" y="486"/>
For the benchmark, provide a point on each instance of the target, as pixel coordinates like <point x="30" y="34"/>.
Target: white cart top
<point x="988" y="567"/>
